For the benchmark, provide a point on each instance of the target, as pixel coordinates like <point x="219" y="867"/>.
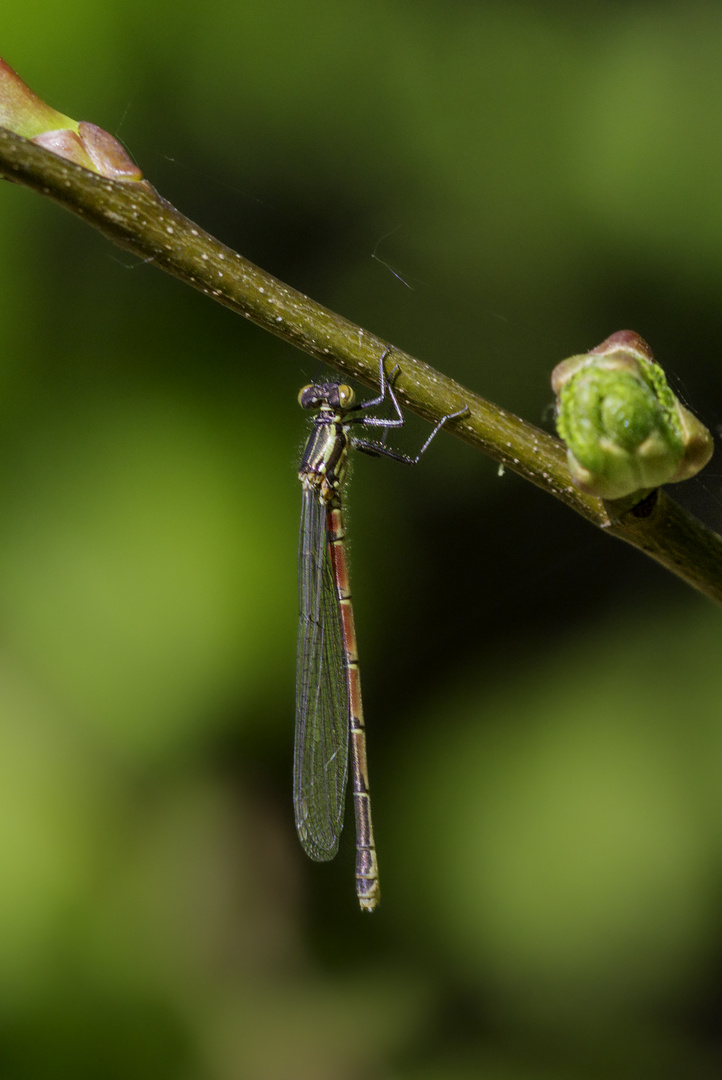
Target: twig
<point x="134" y="216"/>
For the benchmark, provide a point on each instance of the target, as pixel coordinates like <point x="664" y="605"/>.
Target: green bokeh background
<point x="492" y="187"/>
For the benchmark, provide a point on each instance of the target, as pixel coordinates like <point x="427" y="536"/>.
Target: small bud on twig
<point x="23" y="112"/>
<point x="624" y="429"/>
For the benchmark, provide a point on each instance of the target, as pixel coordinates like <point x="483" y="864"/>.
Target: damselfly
<point x="329" y="713"/>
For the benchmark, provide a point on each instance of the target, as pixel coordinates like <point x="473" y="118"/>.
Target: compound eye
<point x="346" y="396"/>
<point x="307" y="398"/>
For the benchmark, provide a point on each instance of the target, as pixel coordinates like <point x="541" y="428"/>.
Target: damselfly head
<point x="330" y="395"/>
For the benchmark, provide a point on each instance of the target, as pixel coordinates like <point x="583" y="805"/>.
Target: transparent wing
<point x="322" y="710"/>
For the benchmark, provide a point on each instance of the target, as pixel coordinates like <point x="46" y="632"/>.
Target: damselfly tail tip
<point x="368" y="903"/>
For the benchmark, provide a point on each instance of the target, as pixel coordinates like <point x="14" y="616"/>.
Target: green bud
<point x="23" y="112"/>
<point x="624" y="429"/>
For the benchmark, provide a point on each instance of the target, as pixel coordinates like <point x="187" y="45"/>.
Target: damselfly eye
<point x="346" y="396"/>
<point x="307" y="399"/>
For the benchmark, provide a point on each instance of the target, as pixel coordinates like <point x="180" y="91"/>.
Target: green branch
<point x="133" y="215"/>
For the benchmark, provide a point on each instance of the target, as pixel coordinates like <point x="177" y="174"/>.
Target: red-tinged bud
<point x="66" y="144"/>
<point x="23" y="112"/>
<point x="108" y="156"/>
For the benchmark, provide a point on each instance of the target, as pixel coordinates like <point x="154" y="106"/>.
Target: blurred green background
<point x="492" y="187"/>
